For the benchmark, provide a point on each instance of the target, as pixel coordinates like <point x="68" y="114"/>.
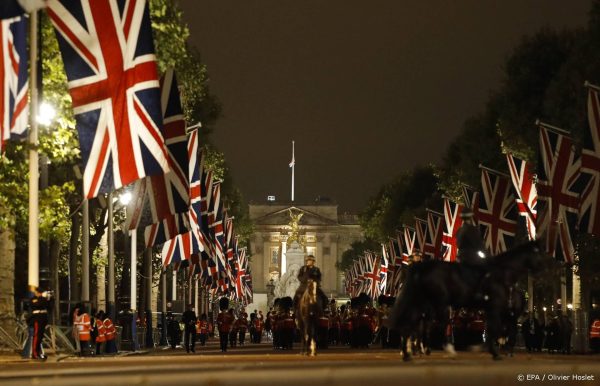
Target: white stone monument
<point x="288" y="283"/>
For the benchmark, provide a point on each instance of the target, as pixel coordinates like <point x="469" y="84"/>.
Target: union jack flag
<point x="229" y="248"/>
<point x="471" y="200"/>
<point x="433" y="239"/>
<point x="371" y="274"/>
<point x="14" y="78"/>
<point x="523" y="182"/>
<point x="410" y="236"/>
<point x="589" y="213"/>
<point x="453" y="222"/>
<point x="169" y="194"/>
<point x="218" y="239"/>
<point x="177" y="249"/>
<point x="190" y="240"/>
<point x="421" y="234"/>
<point x="497" y="216"/>
<point x="109" y="59"/>
<point x="558" y="192"/>
<point x="383" y="274"/>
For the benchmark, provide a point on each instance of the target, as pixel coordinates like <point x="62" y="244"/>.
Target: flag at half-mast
<point x="523" y="182"/>
<point x="14" y="105"/>
<point x="109" y="59"/>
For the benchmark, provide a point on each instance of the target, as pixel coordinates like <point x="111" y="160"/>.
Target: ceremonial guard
<point x="202" y="329"/>
<point x="224" y="323"/>
<point x="242" y="326"/>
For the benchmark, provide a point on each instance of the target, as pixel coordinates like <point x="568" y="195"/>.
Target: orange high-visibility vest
<point x="595" y="329"/>
<point x="101" y="331"/>
<point x="109" y="329"/>
<point x="83" y="325"/>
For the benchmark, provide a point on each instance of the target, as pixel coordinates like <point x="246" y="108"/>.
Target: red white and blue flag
<point x="589" y="212"/>
<point x="14" y="105"/>
<point x="453" y="222"/>
<point x="169" y="194"/>
<point x="558" y="192"/>
<point x="109" y="59"/>
<point x="410" y="236"/>
<point x="470" y="197"/>
<point x="496" y="214"/>
<point x="421" y="235"/>
<point x="523" y="182"/>
<point x="433" y="239"/>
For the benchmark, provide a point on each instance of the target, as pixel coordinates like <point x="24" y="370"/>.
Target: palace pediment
<point x="282" y="217"/>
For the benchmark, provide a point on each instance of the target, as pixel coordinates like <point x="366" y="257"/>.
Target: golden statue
<point x="295" y="231"/>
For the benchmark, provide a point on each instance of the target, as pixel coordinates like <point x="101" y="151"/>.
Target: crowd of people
<point x="231" y="326"/>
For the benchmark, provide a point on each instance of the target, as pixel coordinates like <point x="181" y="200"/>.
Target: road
<point x="261" y="365"/>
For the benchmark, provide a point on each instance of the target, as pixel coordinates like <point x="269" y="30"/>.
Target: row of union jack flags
<point x="567" y="186"/>
<point x="131" y="131"/>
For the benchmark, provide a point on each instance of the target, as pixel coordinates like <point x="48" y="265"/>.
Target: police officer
<point x="38" y="320"/>
<point x="189" y="320"/>
<point x="310" y="271"/>
<point x="471" y="249"/>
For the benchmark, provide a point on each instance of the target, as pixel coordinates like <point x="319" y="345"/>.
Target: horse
<point x="309" y="310"/>
<point x="432" y="287"/>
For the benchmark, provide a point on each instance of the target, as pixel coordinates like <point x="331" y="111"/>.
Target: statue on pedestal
<point x="288" y="283"/>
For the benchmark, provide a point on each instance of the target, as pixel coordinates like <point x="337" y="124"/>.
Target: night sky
<point x="367" y="89"/>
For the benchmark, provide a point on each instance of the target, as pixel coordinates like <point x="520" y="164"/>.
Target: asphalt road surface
<point x="261" y="365"/>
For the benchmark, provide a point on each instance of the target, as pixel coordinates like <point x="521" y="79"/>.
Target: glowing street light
<point x="46" y="114"/>
<point x="125" y="198"/>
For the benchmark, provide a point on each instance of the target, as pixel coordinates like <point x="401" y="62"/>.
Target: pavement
<point x="259" y="364"/>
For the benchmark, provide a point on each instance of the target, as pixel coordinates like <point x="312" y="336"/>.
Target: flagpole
<point x="293" y="165"/>
<point x="34" y="258"/>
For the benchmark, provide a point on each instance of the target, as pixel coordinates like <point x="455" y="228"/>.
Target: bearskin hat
<point x="223" y="304"/>
<point x="286" y="302"/>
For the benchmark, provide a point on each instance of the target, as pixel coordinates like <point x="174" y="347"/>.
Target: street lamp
<point x="46" y="114"/>
<point x="125" y="198"/>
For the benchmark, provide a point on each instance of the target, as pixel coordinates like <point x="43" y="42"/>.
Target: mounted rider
<point x="310" y="271"/>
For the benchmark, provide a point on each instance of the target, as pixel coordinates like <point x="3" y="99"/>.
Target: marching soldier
<point x="224" y="323"/>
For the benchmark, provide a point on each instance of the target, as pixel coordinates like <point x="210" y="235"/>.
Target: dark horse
<point x="308" y="312"/>
<point x="432" y="287"/>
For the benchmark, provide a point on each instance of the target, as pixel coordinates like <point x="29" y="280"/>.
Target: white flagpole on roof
<point x="293" y="165"/>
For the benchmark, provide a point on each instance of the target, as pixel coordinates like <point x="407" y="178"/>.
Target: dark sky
<point x="367" y="89"/>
